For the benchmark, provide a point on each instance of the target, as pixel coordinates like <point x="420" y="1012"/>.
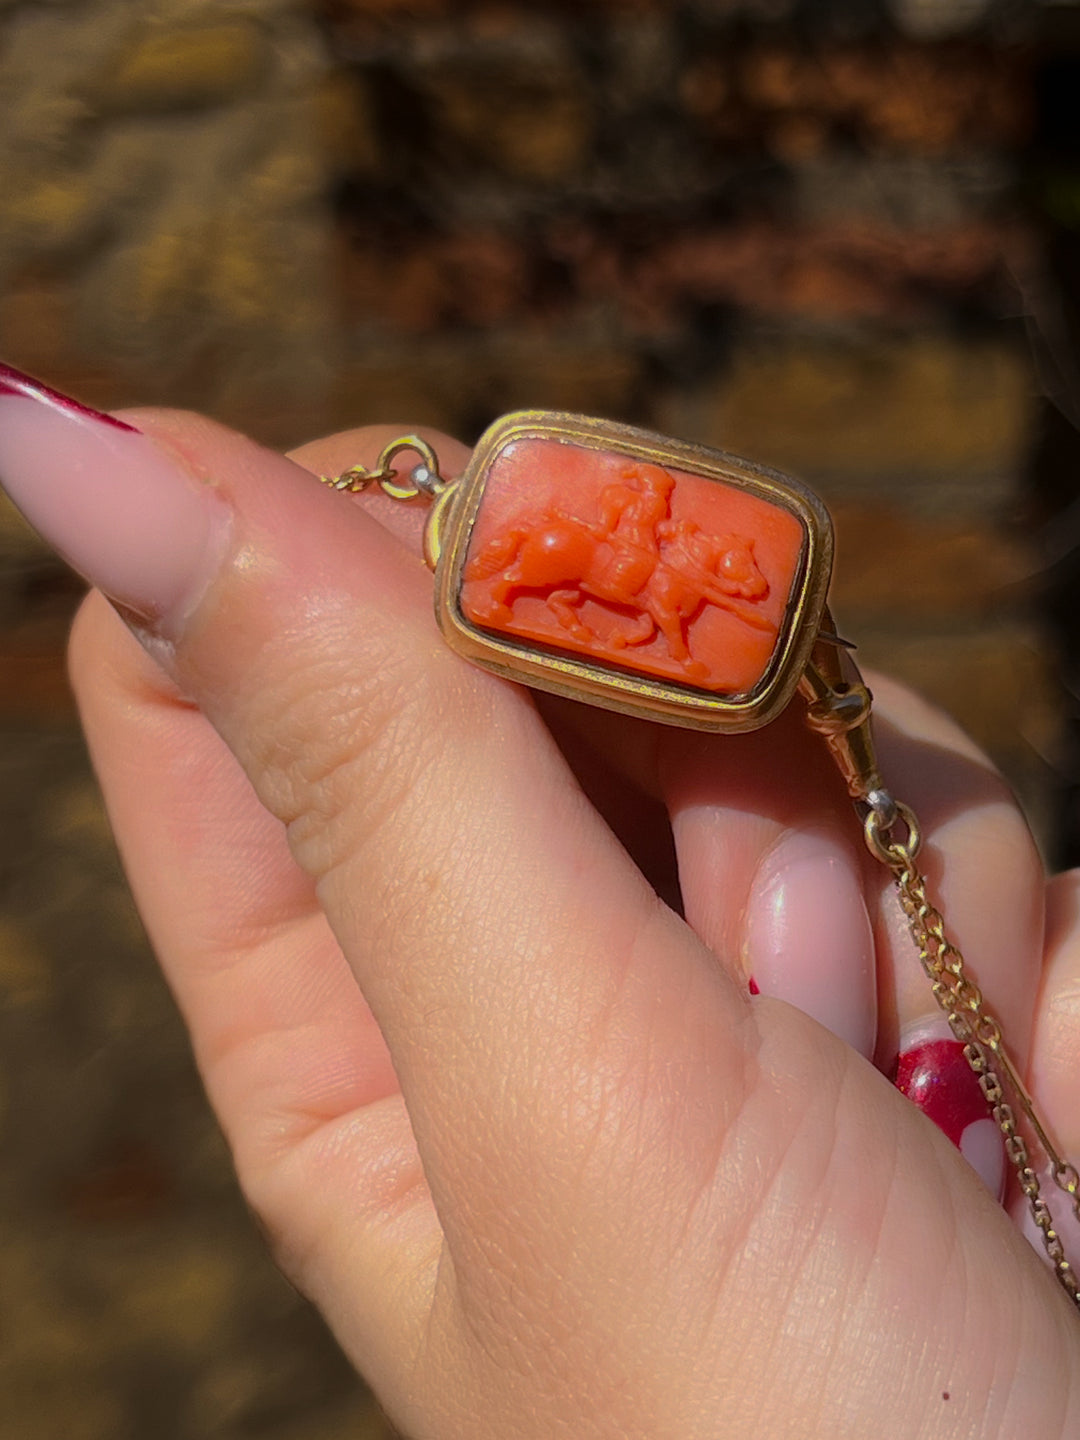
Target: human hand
<point x="515" y="1127"/>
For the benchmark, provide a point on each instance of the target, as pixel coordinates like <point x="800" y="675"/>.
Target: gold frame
<point x="563" y="673"/>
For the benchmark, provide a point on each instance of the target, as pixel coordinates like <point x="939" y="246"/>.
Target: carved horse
<point x="696" y="569"/>
<point x="568" y="561"/>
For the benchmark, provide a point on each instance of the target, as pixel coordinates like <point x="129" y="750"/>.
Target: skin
<point x="515" y="1126"/>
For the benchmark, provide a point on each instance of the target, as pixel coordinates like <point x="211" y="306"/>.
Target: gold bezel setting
<point x="602" y="683"/>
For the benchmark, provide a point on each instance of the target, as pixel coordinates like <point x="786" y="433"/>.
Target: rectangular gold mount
<point x="627" y="462"/>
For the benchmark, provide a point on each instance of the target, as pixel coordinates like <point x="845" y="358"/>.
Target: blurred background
<point x="838" y="236"/>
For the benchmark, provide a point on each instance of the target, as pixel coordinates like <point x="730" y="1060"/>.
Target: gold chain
<point x="973" y="1024"/>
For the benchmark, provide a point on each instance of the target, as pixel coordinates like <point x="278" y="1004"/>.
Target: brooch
<point x="683" y="585"/>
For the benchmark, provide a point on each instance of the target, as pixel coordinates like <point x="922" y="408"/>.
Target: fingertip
<point x="106" y="663"/>
<point x="101" y="649"/>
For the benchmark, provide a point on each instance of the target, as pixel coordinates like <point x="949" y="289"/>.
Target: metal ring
<point x="893" y="852"/>
<point x="385" y="470"/>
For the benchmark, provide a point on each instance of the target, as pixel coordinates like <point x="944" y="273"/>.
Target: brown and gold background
<point x="836" y="236"/>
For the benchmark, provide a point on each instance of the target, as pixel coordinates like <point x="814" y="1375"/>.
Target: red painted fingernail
<point x="752" y="986"/>
<point x="15" y="382"/>
<point x="933" y="1073"/>
<point x="122" y="511"/>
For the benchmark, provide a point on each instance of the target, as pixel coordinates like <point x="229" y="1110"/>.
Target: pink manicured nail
<point x="119" y="509"/>
<point x="934" y="1075"/>
<point x="808" y="936"/>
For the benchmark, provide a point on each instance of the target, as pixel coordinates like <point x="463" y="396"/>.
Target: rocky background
<point x="838" y="237"/>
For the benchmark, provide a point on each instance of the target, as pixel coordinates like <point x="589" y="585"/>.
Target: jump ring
<point x="893" y="852"/>
<point x="430" y="464"/>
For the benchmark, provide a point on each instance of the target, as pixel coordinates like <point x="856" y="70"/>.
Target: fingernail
<point x="932" y="1072"/>
<point x="120" y="510"/>
<point x="808" y="938"/>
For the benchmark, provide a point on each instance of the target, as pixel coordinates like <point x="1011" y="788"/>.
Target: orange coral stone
<point x="654" y="570"/>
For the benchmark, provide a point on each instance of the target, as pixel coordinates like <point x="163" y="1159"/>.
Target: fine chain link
<point x="984" y="1049"/>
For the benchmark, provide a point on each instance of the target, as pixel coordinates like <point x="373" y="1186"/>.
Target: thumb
<point x="532" y="991"/>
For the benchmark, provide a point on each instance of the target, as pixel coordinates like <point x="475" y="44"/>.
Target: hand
<point x="517" y="1128"/>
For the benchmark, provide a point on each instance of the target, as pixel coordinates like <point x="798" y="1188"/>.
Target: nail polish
<point x="807" y="936"/>
<point x="118" y="508"/>
<point x="932" y="1072"/>
<point x="15" y="383"/>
